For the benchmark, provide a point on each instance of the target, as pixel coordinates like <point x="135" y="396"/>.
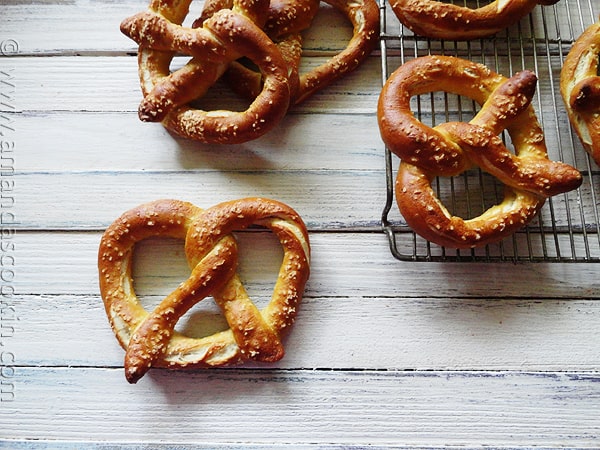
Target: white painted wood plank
<point x="361" y="308"/>
<point x="444" y="353"/>
<point x="343" y="264"/>
<point x="118" y="142"/>
<point x="91" y="84"/>
<point x="67" y="27"/>
<point x="378" y="333"/>
<point x="61" y="85"/>
<point x="307" y="407"/>
<point x="327" y="200"/>
<point x="92" y="200"/>
<point x="93" y="27"/>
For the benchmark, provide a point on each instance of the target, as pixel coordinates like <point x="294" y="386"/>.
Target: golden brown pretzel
<point x="580" y="89"/>
<point x="256" y="10"/>
<point x="443" y="20"/>
<point x="283" y="23"/>
<point x="287" y="19"/>
<point x="451" y="148"/>
<point x="225" y="37"/>
<point x="149" y="338"/>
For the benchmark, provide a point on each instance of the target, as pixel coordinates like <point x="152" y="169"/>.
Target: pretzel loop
<point x="149" y="338"/>
<point x="225" y="37"/>
<point x="580" y="89"/>
<point x="451" y="148"/>
<point x="287" y="19"/>
<point x="443" y="20"/>
<point x="364" y="17"/>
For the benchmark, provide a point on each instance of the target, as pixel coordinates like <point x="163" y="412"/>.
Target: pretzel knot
<point x="225" y="37"/>
<point x="443" y="20"/>
<point x="580" y="89"/>
<point x="452" y="148"/>
<point x="149" y="338"/>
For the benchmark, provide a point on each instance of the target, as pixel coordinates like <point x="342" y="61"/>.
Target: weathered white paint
<point x="383" y="353"/>
<point x="236" y="407"/>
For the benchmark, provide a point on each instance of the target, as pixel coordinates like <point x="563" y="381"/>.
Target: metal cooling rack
<point x="568" y="226"/>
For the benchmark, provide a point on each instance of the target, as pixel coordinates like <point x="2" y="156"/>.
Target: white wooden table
<point x="384" y="352"/>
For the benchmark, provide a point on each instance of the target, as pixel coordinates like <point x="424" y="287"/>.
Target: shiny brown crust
<point x="443" y="20"/>
<point x="228" y="35"/>
<point x="451" y="148"/>
<point x="364" y="16"/>
<point x="287" y="19"/>
<point x="149" y="338"/>
<point x="580" y="89"/>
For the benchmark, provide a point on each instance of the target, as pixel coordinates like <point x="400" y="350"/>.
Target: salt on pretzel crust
<point x="580" y="89"/>
<point x="443" y="20"/>
<point x="287" y="19"/>
<point x="364" y="17"/>
<point x="149" y="337"/>
<point x="451" y="148"/>
<point x="228" y="35"/>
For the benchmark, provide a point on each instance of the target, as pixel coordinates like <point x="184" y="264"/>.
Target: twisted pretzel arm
<point x="364" y="17"/>
<point x="266" y="110"/>
<point x="252" y="328"/>
<point x="580" y="89"/>
<point x="407" y="136"/>
<point x="442" y="20"/>
<point x="149" y="337"/>
<point x="115" y="253"/>
<point x="130" y="321"/>
<point x="283" y="27"/>
<point x="508" y="107"/>
<point x="451" y="148"/>
<point x="172" y="90"/>
<point x="285" y="22"/>
<point x="224" y="37"/>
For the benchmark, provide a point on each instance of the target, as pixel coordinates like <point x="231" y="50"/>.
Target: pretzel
<point x="285" y="22"/>
<point x="149" y="338"/>
<point x="287" y="19"/>
<point x="454" y="147"/>
<point x="228" y="35"/>
<point x="580" y="89"/>
<point x="442" y="20"/>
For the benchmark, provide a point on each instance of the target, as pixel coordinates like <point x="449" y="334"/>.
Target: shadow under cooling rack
<point x="567" y="229"/>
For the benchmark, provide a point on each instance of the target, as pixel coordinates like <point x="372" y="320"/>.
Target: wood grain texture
<point x="383" y="353"/>
<point x="303" y="407"/>
<point x="367" y="311"/>
<point x="93" y="26"/>
<point x="107" y="84"/>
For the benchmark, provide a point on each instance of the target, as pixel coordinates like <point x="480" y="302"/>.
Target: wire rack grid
<point x="567" y="229"/>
